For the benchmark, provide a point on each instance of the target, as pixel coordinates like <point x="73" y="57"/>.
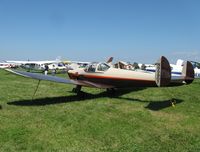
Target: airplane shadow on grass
<point x="153" y="105"/>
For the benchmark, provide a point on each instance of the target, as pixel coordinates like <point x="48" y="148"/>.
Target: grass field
<point x="56" y="119"/>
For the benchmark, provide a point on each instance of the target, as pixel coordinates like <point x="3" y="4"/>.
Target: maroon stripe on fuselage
<point x="114" y="81"/>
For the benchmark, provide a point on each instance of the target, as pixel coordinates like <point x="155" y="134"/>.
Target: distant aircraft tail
<point x="163" y="72"/>
<point x="187" y="75"/>
<point x="109" y="60"/>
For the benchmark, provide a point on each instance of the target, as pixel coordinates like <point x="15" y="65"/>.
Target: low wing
<point x="57" y="79"/>
<point x="41" y="76"/>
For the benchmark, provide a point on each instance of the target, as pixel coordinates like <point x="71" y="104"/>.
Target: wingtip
<point x="16" y="72"/>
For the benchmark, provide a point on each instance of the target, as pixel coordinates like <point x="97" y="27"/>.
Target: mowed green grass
<point x="57" y="120"/>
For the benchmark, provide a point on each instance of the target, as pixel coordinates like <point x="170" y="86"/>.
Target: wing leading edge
<point x="41" y="76"/>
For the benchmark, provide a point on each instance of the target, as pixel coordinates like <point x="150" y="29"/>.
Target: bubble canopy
<point x="97" y="67"/>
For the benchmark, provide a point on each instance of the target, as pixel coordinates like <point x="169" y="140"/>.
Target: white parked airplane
<point x="57" y="66"/>
<point x="176" y="69"/>
<point x="36" y="65"/>
<point x="4" y="65"/>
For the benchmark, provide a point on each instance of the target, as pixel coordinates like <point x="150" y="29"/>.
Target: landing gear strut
<point x="77" y="89"/>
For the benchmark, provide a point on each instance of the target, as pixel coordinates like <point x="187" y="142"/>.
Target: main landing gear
<point x="77" y="89"/>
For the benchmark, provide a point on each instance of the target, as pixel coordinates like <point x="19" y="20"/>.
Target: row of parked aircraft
<point x="176" y="69"/>
<point x="40" y="65"/>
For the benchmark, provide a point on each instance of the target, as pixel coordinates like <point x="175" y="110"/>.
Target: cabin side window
<point x="91" y="68"/>
<point x="103" y="67"/>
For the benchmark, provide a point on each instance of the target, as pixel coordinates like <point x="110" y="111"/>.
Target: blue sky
<point x="93" y="30"/>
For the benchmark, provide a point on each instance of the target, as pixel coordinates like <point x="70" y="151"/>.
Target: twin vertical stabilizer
<point x="163" y="73"/>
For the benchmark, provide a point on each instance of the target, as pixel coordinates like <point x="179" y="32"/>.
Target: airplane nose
<point x="73" y="74"/>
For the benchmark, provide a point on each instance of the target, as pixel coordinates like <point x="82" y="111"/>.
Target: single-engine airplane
<point x="102" y="75"/>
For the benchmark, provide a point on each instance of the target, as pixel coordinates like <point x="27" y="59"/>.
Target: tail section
<point x="188" y="72"/>
<point x="163" y="72"/>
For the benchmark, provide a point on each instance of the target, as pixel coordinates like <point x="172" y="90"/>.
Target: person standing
<point x="46" y="69"/>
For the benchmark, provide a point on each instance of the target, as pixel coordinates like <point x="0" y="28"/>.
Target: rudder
<point x="163" y="72"/>
<point x="188" y="72"/>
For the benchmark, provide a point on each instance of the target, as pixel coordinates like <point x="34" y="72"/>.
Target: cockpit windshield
<point x="93" y="67"/>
